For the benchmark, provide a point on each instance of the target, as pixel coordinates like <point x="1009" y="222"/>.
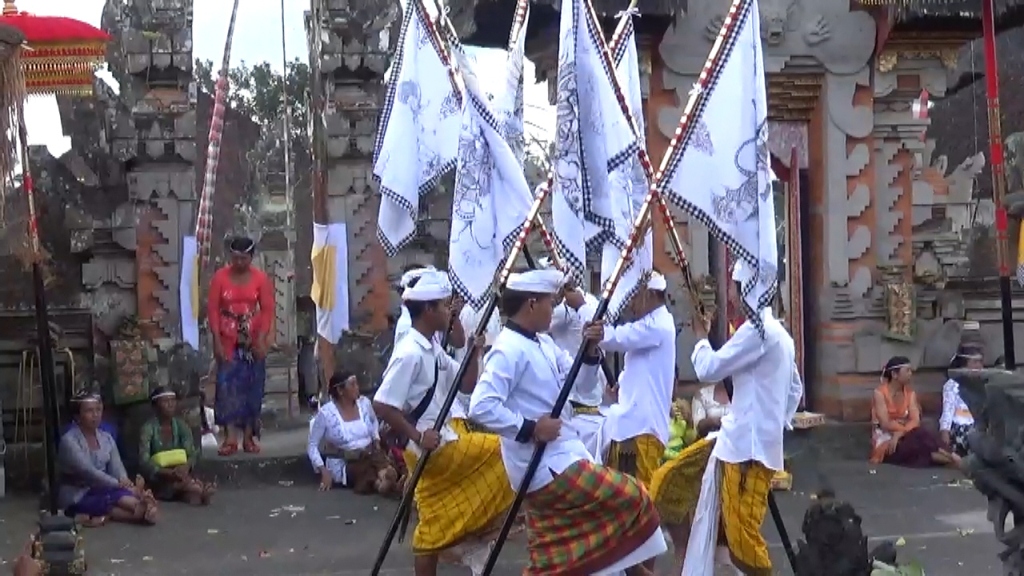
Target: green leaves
<point x="912" y="569"/>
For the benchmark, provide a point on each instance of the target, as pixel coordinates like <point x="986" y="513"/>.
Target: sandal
<point x="251" y="447"/>
<point x="227" y="448"/>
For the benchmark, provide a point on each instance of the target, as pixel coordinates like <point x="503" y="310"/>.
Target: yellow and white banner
<point x="188" y="291"/>
<point x="330" y="280"/>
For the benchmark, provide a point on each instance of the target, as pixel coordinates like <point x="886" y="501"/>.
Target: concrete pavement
<point x="293" y="530"/>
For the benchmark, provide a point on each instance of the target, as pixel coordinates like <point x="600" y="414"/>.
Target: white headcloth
<point x="657" y="282"/>
<point x="543" y="281"/>
<point x="413" y="274"/>
<point x="433" y="285"/>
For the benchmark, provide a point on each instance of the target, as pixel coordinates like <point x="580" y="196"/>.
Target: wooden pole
<point x="995" y="142"/>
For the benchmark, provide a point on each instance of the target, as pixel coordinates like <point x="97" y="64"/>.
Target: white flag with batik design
<point x="629" y="182"/>
<point x="722" y="177"/>
<point x="418" y="134"/>
<point x="592" y="139"/>
<point x="492" y="199"/>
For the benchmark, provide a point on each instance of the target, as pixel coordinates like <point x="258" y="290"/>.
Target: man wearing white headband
<point x="463" y="490"/>
<point x="638" y="424"/>
<point x="457" y="339"/>
<point x="748" y="449"/>
<point x="582" y="517"/>
<point x="573" y="309"/>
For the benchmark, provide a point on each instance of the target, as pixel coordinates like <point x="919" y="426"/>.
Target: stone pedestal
<point x="58" y="546"/>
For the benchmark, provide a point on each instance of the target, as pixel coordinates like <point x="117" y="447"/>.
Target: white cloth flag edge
<point x="395" y="208"/>
<point x="332" y="324"/>
<point x="189" y="322"/>
<point x="504" y="164"/>
<point x="639" y="267"/>
<point x="758" y="291"/>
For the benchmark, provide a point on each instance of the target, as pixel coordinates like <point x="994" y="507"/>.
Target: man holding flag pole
<point x="727" y="187"/>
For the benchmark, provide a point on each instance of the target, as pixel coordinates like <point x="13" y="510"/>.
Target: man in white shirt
<point x="464" y="490"/>
<point x="748" y="449"/>
<point x="637" y="426"/>
<point x="582" y="518"/>
<point x="457" y="338"/>
<point x="573" y="309"/>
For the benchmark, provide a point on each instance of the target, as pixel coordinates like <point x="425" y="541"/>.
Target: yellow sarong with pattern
<point x="744" y="492"/>
<point x="639" y="457"/>
<point x="464" y="492"/>
<point x="675" y="486"/>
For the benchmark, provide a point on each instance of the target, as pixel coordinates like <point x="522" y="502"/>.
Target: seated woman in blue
<point x="93" y="484"/>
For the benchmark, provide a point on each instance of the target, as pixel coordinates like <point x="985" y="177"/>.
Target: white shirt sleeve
<point x="632" y="336"/>
<point x="398" y="377"/>
<point x="487" y="405"/>
<point x="796" y="392"/>
<point x="742" y="350"/>
<point x="316" y="435"/>
<point x="950" y="396"/>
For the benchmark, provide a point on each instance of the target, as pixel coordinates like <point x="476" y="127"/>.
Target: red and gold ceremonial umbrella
<point x="62" y="54"/>
<point x="59" y="56"/>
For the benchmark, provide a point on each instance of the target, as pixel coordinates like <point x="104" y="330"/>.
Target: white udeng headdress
<point x="544" y="281"/>
<point x="413" y="274"/>
<point x="432" y="285"/>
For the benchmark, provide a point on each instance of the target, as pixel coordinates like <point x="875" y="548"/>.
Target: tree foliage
<point x="256" y="92"/>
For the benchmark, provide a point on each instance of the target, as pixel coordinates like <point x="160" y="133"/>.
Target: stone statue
<point x="996" y="399"/>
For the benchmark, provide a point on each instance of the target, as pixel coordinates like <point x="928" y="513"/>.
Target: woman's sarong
<point x="240" y="387"/>
<point x="958" y="438"/>
<point x="675" y="487"/>
<point x="915" y="449"/>
<point x="362" y="472"/>
<point x="639" y="457"/>
<point x="587" y="519"/>
<point x="463" y="492"/>
<point x="97" y="502"/>
<point x="744" y="491"/>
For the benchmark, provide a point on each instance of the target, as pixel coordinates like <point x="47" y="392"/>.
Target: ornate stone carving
<point x="899" y="311"/>
<point x="153" y="65"/>
<point x="888" y="59"/>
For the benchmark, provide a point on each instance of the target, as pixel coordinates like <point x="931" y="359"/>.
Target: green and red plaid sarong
<point x="587" y="519"/>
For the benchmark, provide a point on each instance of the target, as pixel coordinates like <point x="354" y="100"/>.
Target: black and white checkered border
<point x="574" y="267"/>
<point x="627" y="36"/>
<point x="613" y="314"/>
<point x="677" y="153"/>
<point x="734" y="247"/>
<point x="463" y="291"/>
<point x="597" y="39"/>
<point x="392" y="249"/>
<point x="389" y="95"/>
<point x="628" y="154"/>
<point x="1020" y="274"/>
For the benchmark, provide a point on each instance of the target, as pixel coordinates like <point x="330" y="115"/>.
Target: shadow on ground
<point x="293" y="530"/>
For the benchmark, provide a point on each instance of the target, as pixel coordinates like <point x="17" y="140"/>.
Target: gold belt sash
<point x="578" y="408"/>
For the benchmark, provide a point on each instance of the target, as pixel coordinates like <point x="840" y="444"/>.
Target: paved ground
<point x="295" y="531"/>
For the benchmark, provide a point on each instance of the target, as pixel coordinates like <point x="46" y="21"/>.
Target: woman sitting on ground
<point x="344" y="441"/>
<point x="956" y="420"/>
<point x="167" y="453"/>
<point x="94" y="485"/>
<point x="898" y="437"/>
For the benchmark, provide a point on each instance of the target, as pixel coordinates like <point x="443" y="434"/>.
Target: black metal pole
<point x="605" y="367"/>
<point x="49" y="385"/>
<point x="780" y="525"/>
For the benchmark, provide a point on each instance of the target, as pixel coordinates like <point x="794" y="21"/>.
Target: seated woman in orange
<point x="897" y="437"/>
<point x="240" y="310"/>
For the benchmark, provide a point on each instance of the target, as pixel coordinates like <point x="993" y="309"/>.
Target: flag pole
<point x="680" y="140"/>
<point x="995" y="142"/>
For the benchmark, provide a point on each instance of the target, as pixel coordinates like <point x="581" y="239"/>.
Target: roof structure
<point x="951" y="14"/>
